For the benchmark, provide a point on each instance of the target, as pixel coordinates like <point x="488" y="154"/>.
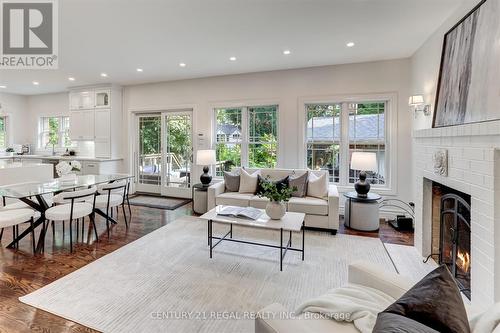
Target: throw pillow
<point x="232" y="181"/>
<point x="316" y="186"/>
<point x="248" y="182"/>
<point x="390" y="322"/>
<point x="280" y="184"/>
<point x="435" y="302"/>
<point x="300" y="182"/>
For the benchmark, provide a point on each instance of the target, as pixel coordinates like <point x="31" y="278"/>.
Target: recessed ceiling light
<point x="71" y="78"/>
<point x="286" y="52"/>
<point x="104" y="75"/>
<point x="182" y="64"/>
<point x="36" y="83"/>
<point x="232" y="58"/>
<point x="350" y="44"/>
<point x="140" y="70"/>
<point x="3" y="87"/>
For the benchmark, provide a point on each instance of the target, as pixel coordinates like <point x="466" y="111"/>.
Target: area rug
<point x="151" y="201"/>
<point x="165" y="281"/>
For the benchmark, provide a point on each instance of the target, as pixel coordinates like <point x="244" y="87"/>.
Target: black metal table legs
<point x="283" y="249"/>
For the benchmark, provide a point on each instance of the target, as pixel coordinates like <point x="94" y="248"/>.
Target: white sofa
<point x="362" y="273"/>
<point x="320" y="213"/>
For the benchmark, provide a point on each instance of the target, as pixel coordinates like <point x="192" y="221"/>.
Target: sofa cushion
<point x="258" y="202"/>
<point x="248" y="182"/>
<point x="317" y="186"/>
<point x="280" y="183"/>
<point x="434" y="301"/>
<point x="390" y="322"/>
<point x="233" y="199"/>
<point x="308" y="205"/>
<point x="300" y="182"/>
<point x="232" y="181"/>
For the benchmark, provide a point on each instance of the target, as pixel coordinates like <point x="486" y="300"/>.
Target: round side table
<point x="362" y="213"/>
<point x="200" y="198"/>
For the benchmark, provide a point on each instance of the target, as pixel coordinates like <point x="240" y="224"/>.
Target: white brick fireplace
<point x="473" y="168"/>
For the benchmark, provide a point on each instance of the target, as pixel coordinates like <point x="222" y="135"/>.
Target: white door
<point x="177" y="134"/>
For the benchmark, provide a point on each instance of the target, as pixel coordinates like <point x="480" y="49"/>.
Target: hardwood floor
<point x="21" y="272"/>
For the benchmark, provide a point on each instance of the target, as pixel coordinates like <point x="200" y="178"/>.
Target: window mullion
<point x="344" y="144"/>
<point x="245" y="139"/>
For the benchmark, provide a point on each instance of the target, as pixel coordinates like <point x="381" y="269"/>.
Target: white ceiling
<point x="118" y="36"/>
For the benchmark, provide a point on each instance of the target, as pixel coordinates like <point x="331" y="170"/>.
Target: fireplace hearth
<point x="451" y="234"/>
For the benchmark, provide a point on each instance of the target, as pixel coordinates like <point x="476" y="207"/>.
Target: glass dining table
<point x="33" y="194"/>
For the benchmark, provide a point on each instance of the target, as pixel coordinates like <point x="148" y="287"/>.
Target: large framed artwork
<point x="468" y="88"/>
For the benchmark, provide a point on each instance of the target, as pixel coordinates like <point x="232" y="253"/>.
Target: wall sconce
<point x="417" y="102"/>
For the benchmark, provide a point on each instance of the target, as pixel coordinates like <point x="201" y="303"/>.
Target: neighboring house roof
<point x="367" y="128"/>
<point x="228" y="129"/>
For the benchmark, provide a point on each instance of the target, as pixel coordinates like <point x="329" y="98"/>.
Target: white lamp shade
<point x="416" y="100"/>
<point x="205" y="157"/>
<point x="364" y="161"/>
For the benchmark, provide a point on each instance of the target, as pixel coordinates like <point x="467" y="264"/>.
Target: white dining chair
<point x="112" y="195"/>
<point x="73" y="205"/>
<point x="13" y="218"/>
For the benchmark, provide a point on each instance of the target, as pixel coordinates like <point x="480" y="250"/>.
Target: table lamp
<point x="363" y="162"/>
<point x="205" y="157"/>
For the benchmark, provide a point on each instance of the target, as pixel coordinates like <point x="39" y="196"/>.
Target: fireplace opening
<point x="451" y="233"/>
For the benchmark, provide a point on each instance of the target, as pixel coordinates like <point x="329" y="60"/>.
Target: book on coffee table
<point x="242" y="212"/>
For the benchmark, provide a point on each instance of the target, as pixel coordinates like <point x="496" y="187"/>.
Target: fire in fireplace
<point x="452" y="233"/>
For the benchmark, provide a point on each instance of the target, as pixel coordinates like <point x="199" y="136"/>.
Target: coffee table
<point x="291" y="222"/>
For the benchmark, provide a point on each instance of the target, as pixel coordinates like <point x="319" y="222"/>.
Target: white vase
<point x="276" y="210"/>
<point x="68" y="178"/>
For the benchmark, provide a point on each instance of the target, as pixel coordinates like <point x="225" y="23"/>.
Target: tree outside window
<point x="54" y="133"/>
<point x="246" y="136"/>
<point x="3" y="132"/>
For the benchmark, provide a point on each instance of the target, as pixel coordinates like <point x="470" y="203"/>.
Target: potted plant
<point x="278" y="194"/>
<point x="9" y="151"/>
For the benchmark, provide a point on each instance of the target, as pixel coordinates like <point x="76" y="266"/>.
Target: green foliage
<point x="150" y="129"/>
<point x="276" y="193"/>
<point x="230" y="154"/>
<point x="53" y="131"/>
<point x="264" y="155"/>
<point x="179" y="137"/>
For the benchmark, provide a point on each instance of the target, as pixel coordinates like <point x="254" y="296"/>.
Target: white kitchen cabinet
<point x="91" y="168"/>
<point x="82" y="100"/>
<point x="95" y="117"/>
<point x="82" y="125"/>
<point x="102" y="98"/>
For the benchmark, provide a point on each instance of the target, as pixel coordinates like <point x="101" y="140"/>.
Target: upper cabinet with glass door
<point x="102" y="98"/>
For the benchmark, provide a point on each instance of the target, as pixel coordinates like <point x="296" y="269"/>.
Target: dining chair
<point x="112" y="195"/>
<point x="73" y="205"/>
<point x="13" y="218"/>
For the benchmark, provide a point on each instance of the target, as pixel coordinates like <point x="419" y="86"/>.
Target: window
<point x="246" y="136"/>
<point x="54" y="131"/>
<point x="367" y="133"/>
<point x="3" y="132"/>
<point x="330" y="145"/>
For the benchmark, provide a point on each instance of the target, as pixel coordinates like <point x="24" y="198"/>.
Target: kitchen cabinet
<point x="82" y="99"/>
<point x="82" y="125"/>
<point x="94" y="116"/>
<point x="102" y="98"/>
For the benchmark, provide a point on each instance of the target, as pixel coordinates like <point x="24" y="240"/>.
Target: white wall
<point x="285" y="88"/>
<point x="15" y="107"/>
<point x="426" y="61"/>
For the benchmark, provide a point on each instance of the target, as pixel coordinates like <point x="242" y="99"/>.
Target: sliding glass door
<point x="164" y="153"/>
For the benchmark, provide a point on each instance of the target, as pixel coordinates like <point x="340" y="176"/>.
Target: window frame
<point x="390" y="117"/>
<point x="6" y="131"/>
<point x="244" y="140"/>
<point x="61" y="132"/>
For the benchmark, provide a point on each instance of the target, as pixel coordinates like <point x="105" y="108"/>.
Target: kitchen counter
<point x="24" y="172"/>
<point x="61" y="158"/>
